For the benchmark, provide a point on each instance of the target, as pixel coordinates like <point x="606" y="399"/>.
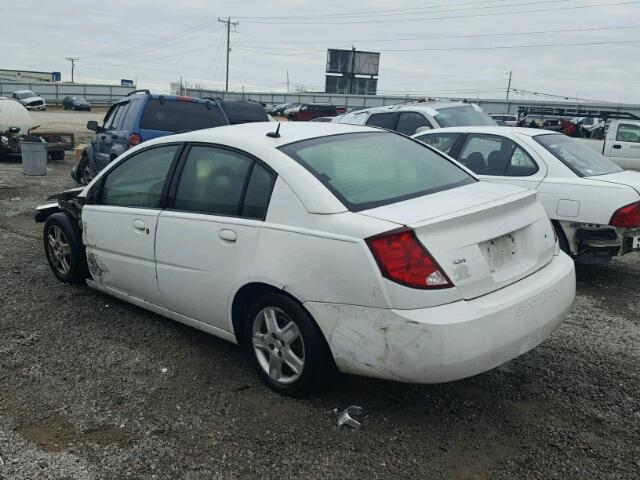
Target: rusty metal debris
<point x="346" y="417"/>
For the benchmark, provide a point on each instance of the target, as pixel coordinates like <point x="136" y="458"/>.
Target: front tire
<point x="84" y="171"/>
<point x="64" y="250"/>
<point x="286" y="348"/>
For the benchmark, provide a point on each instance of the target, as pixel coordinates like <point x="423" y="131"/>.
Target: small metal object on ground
<point x="346" y="418"/>
<point x="34" y="158"/>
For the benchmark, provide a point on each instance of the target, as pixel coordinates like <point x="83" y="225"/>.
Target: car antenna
<point x="275" y="134"/>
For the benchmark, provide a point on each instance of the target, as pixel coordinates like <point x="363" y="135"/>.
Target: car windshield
<point x="79" y="99"/>
<point x="367" y="170"/>
<point x="582" y="159"/>
<point x="178" y="116"/>
<point x="27" y="95"/>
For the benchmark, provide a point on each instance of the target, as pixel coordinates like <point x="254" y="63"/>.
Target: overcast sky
<point x="437" y="47"/>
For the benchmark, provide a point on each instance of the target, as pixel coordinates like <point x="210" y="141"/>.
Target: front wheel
<point x="64" y="249"/>
<point x="85" y="173"/>
<point x="286" y="348"/>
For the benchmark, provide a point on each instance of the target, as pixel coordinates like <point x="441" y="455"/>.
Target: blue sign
<point x="126" y="83"/>
<point x="56" y="76"/>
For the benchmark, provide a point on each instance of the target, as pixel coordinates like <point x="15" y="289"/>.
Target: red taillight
<point x="403" y="259"/>
<point x="134" y="139"/>
<point x="628" y="216"/>
<point x="182" y="98"/>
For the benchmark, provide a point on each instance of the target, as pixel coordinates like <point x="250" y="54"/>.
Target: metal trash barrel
<point x="34" y="158"/>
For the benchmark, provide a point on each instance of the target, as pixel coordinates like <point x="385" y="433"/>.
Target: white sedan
<point x="594" y="204"/>
<point x="319" y="247"/>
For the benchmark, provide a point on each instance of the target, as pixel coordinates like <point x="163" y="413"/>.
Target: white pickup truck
<point x="621" y="144"/>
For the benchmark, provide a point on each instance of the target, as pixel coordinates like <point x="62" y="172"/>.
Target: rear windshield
<point x="466" y="116"/>
<point x="178" y="116"/>
<point x="367" y="170"/>
<point x="582" y="159"/>
<point x="244" y="112"/>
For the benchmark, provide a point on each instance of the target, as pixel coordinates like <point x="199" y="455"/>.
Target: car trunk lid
<point x="626" y="177"/>
<point x="484" y="236"/>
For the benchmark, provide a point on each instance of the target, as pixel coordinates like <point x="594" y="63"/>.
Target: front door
<point x="207" y="237"/>
<point x="120" y="227"/>
<point x="108" y="137"/>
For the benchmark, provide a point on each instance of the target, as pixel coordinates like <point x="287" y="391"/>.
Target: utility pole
<point x="352" y="75"/>
<point x="73" y="65"/>
<point x="228" y="23"/>
<point x="287" y="81"/>
<point x="509" y="85"/>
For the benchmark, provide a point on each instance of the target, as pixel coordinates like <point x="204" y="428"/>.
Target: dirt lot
<point x="84" y="393"/>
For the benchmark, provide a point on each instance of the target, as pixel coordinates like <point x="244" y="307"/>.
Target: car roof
<point x="415" y="106"/>
<point x="24" y="91"/>
<point x="490" y="130"/>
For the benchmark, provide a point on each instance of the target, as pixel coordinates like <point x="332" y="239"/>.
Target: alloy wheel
<point x="278" y="346"/>
<point x="59" y="250"/>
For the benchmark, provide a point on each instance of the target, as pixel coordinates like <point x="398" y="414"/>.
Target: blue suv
<point x="141" y="116"/>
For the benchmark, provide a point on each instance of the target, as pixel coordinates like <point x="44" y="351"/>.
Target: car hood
<point x="30" y="99"/>
<point x="626" y="177"/>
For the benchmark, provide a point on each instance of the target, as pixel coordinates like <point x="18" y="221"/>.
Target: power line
<point x="422" y="19"/>
<point x="443" y="37"/>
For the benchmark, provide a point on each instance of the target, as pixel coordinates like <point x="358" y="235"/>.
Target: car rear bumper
<point x="452" y="341"/>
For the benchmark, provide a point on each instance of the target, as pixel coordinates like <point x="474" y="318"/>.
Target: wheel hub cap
<point x="59" y="250"/>
<point x="278" y="346"/>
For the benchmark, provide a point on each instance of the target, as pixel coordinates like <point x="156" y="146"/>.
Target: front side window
<point x="212" y="181"/>
<point x="464" y="116"/>
<point x="410" y="122"/>
<point x="628" y="133"/>
<point x="580" y="158"/>
<point x="383" y="120"/>
<point x="496" y="155"/>
<point x="440" y="141"/>
<point x="139" y="180"/>
<point x="367" y="170"/>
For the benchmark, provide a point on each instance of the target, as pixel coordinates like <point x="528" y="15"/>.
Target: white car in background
<point x="505" y="119"/>
<point x="31" y="100"/>
<point x="319" y="246"/>
<point x="411" y="118"/>
<point x="594" y="204"/>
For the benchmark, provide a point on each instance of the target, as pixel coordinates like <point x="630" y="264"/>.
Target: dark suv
<point x="141" y="116"/>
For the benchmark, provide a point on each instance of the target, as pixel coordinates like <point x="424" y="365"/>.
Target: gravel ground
<point x="84" y="393"/>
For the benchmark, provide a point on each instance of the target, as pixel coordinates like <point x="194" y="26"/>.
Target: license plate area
<point x="635" y="243"/>
<point x="500" y="252"/>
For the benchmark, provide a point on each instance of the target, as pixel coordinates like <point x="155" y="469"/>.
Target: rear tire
<point x="286" y="348"/>
<point x="64" y="250"/>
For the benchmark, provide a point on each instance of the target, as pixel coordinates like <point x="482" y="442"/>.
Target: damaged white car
<point x="320" y="247"/>
<point x="593" y="203"/>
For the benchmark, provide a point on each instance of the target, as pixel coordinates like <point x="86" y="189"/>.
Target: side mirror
<point x="92" y="125"/>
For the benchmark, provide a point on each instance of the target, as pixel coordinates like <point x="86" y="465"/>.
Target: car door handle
<point x="140" y="225"/>
<point x="228" y="235"/>
<point x="617" y="147"/>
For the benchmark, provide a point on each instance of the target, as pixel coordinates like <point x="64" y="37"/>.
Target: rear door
<point x="207" y="236"/>
<point x="625" y="145"/>
<point x="120" y="227"/>
<point x="498" y="159"/>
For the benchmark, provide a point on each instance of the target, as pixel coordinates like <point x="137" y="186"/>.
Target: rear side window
<point x="384" y="120"/>
<point x="367" y="170"/>
<point x="410" y="122"/>
<point x="442" y="141"/>
<point x="256" y="200"/>
<point x="178" y="116"/>
<point x="496" y="155"/>
<point x="139" y="180"/>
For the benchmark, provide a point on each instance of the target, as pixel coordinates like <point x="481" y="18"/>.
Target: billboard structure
<point x="343" y="66"/>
